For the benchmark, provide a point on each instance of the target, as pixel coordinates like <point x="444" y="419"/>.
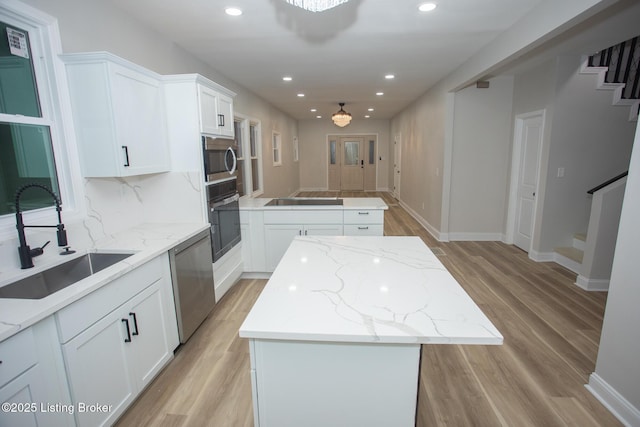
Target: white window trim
<point x="53" y="92"/>
<point x="276" y="147"/>
<point x="246" y="153"/>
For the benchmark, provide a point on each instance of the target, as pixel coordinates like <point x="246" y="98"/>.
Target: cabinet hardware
<point x="126" y="322"/>
<point x="305" y="232"/>
<point x="221" y="120"/>
<point x="135" y="324"/>
<point x="363" y="228"/>
<point x="126" y="156"/>
<point x="363" y="213"/>
<point x="299" y="232"/>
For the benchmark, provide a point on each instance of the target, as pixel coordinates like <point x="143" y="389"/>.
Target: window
<point x="295" y="149"/>
<point x="239" y="135"/>
<point x="32" y="134"/>
<point x="248" y="137"/>
<point x="26" y="153"/>
<point x="276" y="142"/>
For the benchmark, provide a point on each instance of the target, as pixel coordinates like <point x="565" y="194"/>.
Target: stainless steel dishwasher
<point x="192" y="276"/>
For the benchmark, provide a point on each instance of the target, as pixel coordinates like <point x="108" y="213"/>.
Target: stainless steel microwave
<point x="220" y="158"/>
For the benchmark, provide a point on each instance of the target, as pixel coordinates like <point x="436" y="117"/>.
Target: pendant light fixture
<point x="316" y="5"/>
<point x="341" y="118"/>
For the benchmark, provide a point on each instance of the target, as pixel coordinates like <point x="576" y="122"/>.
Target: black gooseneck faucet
<point x="26" y="253"/>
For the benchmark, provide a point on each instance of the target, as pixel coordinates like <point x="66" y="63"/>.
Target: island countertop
<point x="348" y="203"/>
<point x="366" y="289"/>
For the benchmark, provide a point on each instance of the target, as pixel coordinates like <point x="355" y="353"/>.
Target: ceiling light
<point x="379" y="93"/>
<point x="318" y="117"/>
<point x="389" y="76"/>
<point x="233" y="11"/>
<point x="300" y="95"/>
<point x="316" y="5"/>
<point x="370" y="109"/>
<point x="341" y="118"/>
<point x="426" y="7"/>
<point x="313" y="110"/>
<point x="287" y="78"/>
<point x="367" y="116"/>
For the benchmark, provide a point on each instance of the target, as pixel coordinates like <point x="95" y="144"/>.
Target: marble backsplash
<point x="116" y="204"/>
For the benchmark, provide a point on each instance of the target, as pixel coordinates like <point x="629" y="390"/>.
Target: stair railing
<point x="623" y="63"/>
<point x="608" y="182"/>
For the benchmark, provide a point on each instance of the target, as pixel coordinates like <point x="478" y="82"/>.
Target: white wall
<point x="617" y="376"/>
<point x="591" y="140"/>
<point x="422" y="131"/>
<point x="314" y="154"/>
<point x="480" y="161"/>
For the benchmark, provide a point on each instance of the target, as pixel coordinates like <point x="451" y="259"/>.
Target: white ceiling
<point x="340" y="55"/>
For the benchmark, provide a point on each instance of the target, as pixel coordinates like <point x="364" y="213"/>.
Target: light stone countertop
<point x="349" y="203"/>
<point x="366" y="289"/>
<point x="146" y="241"/>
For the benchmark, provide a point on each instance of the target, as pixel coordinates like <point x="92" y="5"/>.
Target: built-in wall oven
<point x="224" y="216"/>
<point x="220" y="158"/>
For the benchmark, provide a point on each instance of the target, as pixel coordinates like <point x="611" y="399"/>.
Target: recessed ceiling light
<point x="370" y="109"/>
<point x="426" y="7"/>
<point x="287" y="78"/>
<point x="313" y="110"/>
<point x="318" y="117"/>
<point x="367" y="116"/>
<point x="301" y="95"/>
<point x="233" y="11"/>
<point x="379" y="93"/>
<point x="389" y="76"/>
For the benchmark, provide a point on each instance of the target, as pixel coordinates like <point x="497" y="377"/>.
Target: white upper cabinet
<point x="216" y="112"/>
<point x="119" y="116"/>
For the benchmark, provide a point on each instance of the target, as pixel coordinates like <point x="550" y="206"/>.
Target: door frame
<point x="397" y="151"/>
<point x="328" y="137"/>
<point x="516" y="168"/>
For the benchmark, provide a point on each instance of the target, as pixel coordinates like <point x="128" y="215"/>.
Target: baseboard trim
<point x="478" y="237"/>
<point x="592" y="284"/>
<point x="431" y="229"/>
<point x="255" y="275"/>
<point x="542" y="256"/>
<point x="620" y="407"/>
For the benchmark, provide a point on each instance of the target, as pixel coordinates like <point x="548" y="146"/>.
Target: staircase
<point x="618" y="70"/>
<point x="571" y="257"/>
<point x="591" y="254"/>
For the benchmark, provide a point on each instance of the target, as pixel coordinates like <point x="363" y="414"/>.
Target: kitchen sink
<point x="297" y="201"/>
<point x="52" y="280"/>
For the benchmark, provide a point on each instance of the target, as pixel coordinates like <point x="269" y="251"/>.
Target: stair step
<point x="571" y="253"/>
<point x="580" y="236"/>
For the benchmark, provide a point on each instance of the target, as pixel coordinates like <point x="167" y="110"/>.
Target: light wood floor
<point x="551" y="331"/>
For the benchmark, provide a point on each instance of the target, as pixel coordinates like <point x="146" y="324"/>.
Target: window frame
<point x="276" y="148"/>
<point x="55" y="104"/>
<point x="246" y="123"/>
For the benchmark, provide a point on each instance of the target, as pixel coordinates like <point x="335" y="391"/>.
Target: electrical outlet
<point x="560" y="172"/>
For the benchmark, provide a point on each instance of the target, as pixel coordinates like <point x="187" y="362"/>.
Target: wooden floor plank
<point x="551" y="328"/>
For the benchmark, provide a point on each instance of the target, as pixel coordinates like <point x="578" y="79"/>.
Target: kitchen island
<point x="335" y="336"/>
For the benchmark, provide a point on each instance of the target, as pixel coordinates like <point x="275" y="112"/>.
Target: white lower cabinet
<point x="280" y="236"/>
<point x="112" y="360"/>
<point x="32" y="391"/>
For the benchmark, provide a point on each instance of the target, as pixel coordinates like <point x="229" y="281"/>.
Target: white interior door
<point x="530" y="132"/>
<point x="397" y="155"/>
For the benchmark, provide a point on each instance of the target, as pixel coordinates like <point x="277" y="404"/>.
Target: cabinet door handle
<point x="299" y="232"/>
<point x="135" y="324"/>
<point x="221" y="120"/>
<point x="128" y="338"/>
<point x="363" y="228"/>
<point x="363" y="213"/>
<point x="126" y="156"/>
<point x="305" y="232"/>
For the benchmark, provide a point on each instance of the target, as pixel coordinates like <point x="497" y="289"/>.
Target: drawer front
<point x="245" y="217"/>
<point x="17" y="354"/>
<point x="363" y="230"/>
<point x="364" y="216"/>
<point x="78" y="316"/>
<point x="303" y="217"/>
